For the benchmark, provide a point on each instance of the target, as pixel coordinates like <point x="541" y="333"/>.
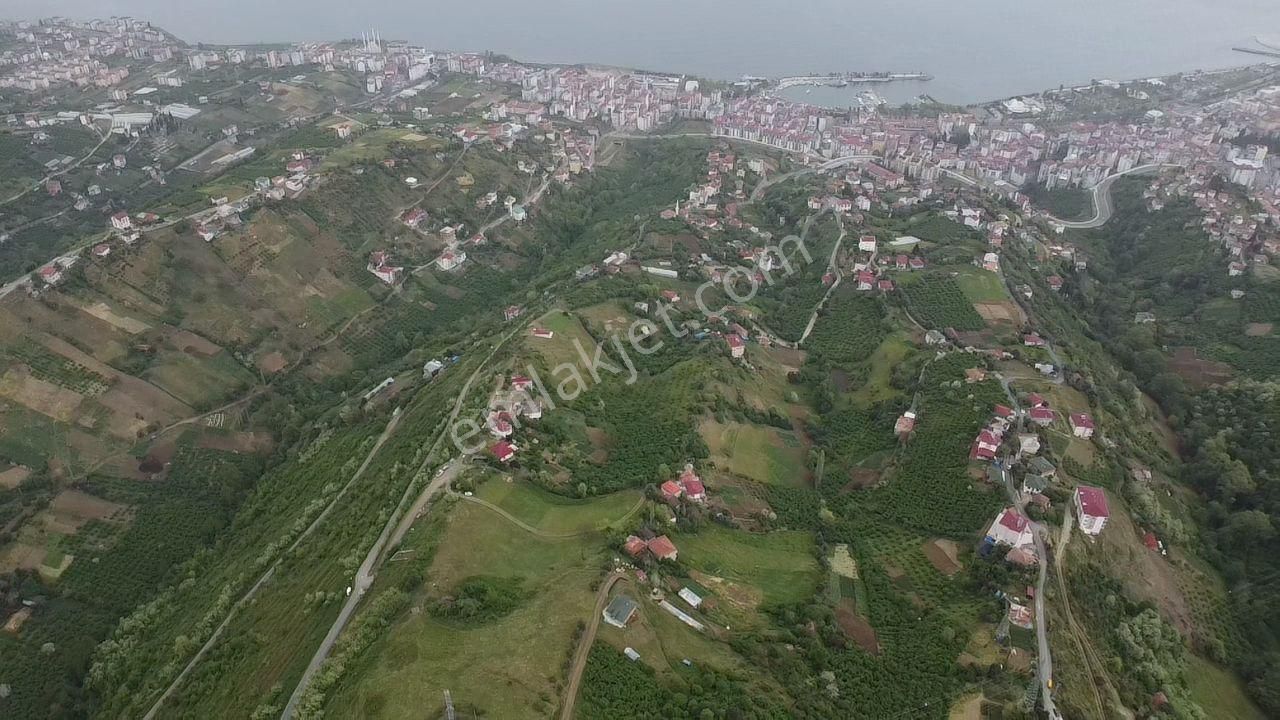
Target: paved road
<point x="583" y="651"/>
<point x="368" y="569"/>
<point x="828" y="165"/>
<point x="1044" y="655"/>
<point x="1101" y="196"/>
<point x="248" y="596"/>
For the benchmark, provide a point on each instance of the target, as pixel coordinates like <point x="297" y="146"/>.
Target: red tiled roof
<point x="1013" y="520"/>
<point x="1081" y="420"/>
<point x="662" y="547"/>
<point x="1093" y="501"/>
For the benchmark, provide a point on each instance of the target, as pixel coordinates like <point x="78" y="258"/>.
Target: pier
<point x="842" y="79"/>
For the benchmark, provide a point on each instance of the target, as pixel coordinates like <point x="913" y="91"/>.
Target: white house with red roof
<point x="671" y="490"/>
<point x="1011" y="528"/>
<point x="450" y="259"/>
<point x="511" y="312"/>
<point x="1033" y="340"/>
<point x="51" y="273"/>
<point x="1081" y="425"/>
<point x="101" y="250"/>
<point x="542" y="333"/>
<point x="500" y="424"/>
<point x="1091" y="508"/>
<point x="121" y="221"/>
<point x="520" y="382"/>
<point x="381" y="269"/>
<point x="867" y="243"/>
<point x="736" y="346"/>
<point x="866" y="280"/>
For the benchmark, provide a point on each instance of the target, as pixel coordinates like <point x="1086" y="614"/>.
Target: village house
<point x="736" y="347"/>
<point x="541" y="333"/>
<point x="503" y="451"/>
<point x="1011" y="528"/>
<point x="381" y="269"/>
<point x="619" y="611"/>
<point x="1091" y="509"/>
<point x="121" y="221"/>
<point x="1081" y="425"/>
<point x="450" y="259"/>
<point x="905" y="425"/>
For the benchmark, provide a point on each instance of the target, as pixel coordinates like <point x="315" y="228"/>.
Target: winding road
<point x="1101" y="196"/>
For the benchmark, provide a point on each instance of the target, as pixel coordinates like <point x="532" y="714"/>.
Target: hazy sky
<point x="975" y="48"/>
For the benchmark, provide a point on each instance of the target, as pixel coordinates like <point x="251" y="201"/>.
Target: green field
<point x="980" y="285"/>
<point x="1219" y="692"/>
<point x="510" y="667"/>
<point x="556" y="514"/>
<point x="891" y="352"/>
<point x="780" y="564"/>
<point x="761" y="453"/>
<point x="560" y="348"/>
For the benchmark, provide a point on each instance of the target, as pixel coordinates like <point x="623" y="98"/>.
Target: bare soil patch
<point x="103" y="312"/>
<point x="12" y="477"/>
<point x="44" y="397"/>
<point x="1197" y="371"/>
<point x="192" y="344"/>
<point x="599" y="445"/>
<point x="968" y="708"/>
<point x="1258" y="329"/>
<point x="858" y="629"/>
<point x="944" y="556"/>
<point x="860" y="479"/>
<point x="71" y="509"/>
<point x="238" y="442"/>
<point x="840" y="379"/>
<point x="740" y="596"/>
<point x="272" y="362"/>
<point x="1004" y="311"/>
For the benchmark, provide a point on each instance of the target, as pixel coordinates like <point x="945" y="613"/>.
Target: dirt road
<point x="584" y="646"/>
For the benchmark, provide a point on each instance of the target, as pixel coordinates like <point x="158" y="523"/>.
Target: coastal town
<point x="526" y="389"/>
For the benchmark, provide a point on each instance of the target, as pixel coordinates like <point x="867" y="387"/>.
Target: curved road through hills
<point x="1101" y="195"/>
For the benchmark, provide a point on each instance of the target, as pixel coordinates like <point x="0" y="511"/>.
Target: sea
<point x="975" y="50"/>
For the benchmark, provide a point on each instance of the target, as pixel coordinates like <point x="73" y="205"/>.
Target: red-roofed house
<point x="736" y="346"/>
<point x="905" y="424"/>
<point x="1041" y="415"/>
<point x="1011" y="528"/>
<point x="866" y="280"/>
<point x="101" y="250"/>
<point x="1036" y="400"/>
<point x="51" y="273"/>
<point x="634" y="546"/>
<point x="1055" y="282"/>
<point x="520" y="382"/>
<point x="1091" y="506"/>
<point x="543" y="333"/>
<point x="917" y="263"/>
<point x="1081" y="425"/>
<point x="121" y="221"/>
<point x="1004" y="411"/>
<point x="670" y="296"/>
<point x="885" y="286"/>
<point x="692" y="485"/>
<point x="512" y="312"/>
<point x="1033" y="340"/>
<point x="503" y="451"/>
<point x="671" y="490"/>
<point x="662" y="548"/>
